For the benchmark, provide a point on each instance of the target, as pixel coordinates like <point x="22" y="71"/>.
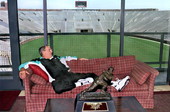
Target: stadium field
<point x="95" y="46"/>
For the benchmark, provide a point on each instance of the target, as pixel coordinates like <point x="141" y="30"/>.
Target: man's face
<point x="47" y="53"/>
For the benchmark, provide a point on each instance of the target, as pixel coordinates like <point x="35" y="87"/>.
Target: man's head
<point x="45" y="52"/>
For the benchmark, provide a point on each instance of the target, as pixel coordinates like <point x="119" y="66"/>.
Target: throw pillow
<point x="141" y="76"/>
<point x="38" y="79"/>
<point x="37" y="70"/>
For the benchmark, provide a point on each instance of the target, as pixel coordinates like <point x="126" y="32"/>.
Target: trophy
<point x="91" y="101"/>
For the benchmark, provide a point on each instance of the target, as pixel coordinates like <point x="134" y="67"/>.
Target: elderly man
<point x="59" y="72"/>
<point x="62" y="80"/>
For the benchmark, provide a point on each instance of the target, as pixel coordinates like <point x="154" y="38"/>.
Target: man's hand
<point x="23" y="73"/>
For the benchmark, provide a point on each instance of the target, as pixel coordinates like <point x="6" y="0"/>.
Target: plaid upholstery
<point x="42" y="89"/>
<point x="140" y="74"/>
<point x="37" y="94"/>
<point x="38" y="79"/>
<point x="81" y="66"/>
<point x="122" y="65"/>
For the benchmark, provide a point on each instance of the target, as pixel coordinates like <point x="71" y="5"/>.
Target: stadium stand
<point x="31" y="21"/>
<point x="4" y="21"/>
<point x="5" y="55"/>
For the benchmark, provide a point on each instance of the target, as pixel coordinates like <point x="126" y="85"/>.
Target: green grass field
<point x="95" y="46"/>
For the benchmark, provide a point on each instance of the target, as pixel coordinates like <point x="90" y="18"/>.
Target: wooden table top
<point x="122" y="104"/>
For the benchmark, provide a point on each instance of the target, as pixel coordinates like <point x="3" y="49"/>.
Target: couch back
<point x="121" y="64"/>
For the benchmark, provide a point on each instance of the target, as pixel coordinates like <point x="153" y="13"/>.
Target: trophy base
<point x="91" y="102"/>
<point x="95" y="96"/>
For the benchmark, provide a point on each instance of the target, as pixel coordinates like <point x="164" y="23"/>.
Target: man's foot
<point x="82" y="82"/>
<point x="120" y="84"/>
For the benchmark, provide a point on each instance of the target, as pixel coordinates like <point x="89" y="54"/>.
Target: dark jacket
<point x="64" y="80"/>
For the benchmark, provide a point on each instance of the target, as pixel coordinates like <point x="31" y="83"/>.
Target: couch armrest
<point x="28" y="85"/>
<point x="141" y="70"/>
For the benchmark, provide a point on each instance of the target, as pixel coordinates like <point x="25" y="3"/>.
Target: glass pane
<point x="29" y="47"/>
<point x="5" y="50"/>
<point x="166" y="48"/>
<point x="151" y="19"/>
<point x="83" y="46"/>
<point x="115" y="44"/>
<point x="148" y="17"/>
<point x="96" y="17"/>
<point x="145" y="50"/>
<point x="30" y="20"/>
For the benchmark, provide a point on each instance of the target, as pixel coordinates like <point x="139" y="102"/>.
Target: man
<point x="60" y="76"/>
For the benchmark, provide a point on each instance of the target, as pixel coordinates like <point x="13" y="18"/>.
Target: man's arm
<point x="63" y="59"/>
<point x="82" y="59"/>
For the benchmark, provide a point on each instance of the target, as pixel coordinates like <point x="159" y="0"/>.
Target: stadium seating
<point x="135" y="20"/>
<point x="5" y="55"/>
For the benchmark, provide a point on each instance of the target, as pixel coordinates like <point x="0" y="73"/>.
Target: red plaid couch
<point x="141" y="84"/>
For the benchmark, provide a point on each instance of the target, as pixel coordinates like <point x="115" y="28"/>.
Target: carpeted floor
<point x="162" y="103"/>
<point x="7" y="99"/>
<point x="18" y="106"/>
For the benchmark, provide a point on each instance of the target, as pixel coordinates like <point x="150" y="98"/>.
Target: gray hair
<point x="42" y="48"/>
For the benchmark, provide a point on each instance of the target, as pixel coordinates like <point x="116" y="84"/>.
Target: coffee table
<point x="122" y="104"/>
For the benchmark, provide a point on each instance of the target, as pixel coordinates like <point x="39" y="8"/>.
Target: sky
<point x="94" y="4"/>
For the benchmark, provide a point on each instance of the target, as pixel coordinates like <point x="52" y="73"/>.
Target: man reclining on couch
<point x="59" y="72"/>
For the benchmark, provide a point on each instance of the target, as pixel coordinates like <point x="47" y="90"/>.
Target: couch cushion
<point x="37" y="70"/>
<point x="81" y="66"/>
<point x="101" y="64"/>
<point x="96" y="66"/>
<point x="122" y="65"/>
<point x="38" y="79"/>
<point x="140" y="74"/>
<point x="140" y="79"/>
